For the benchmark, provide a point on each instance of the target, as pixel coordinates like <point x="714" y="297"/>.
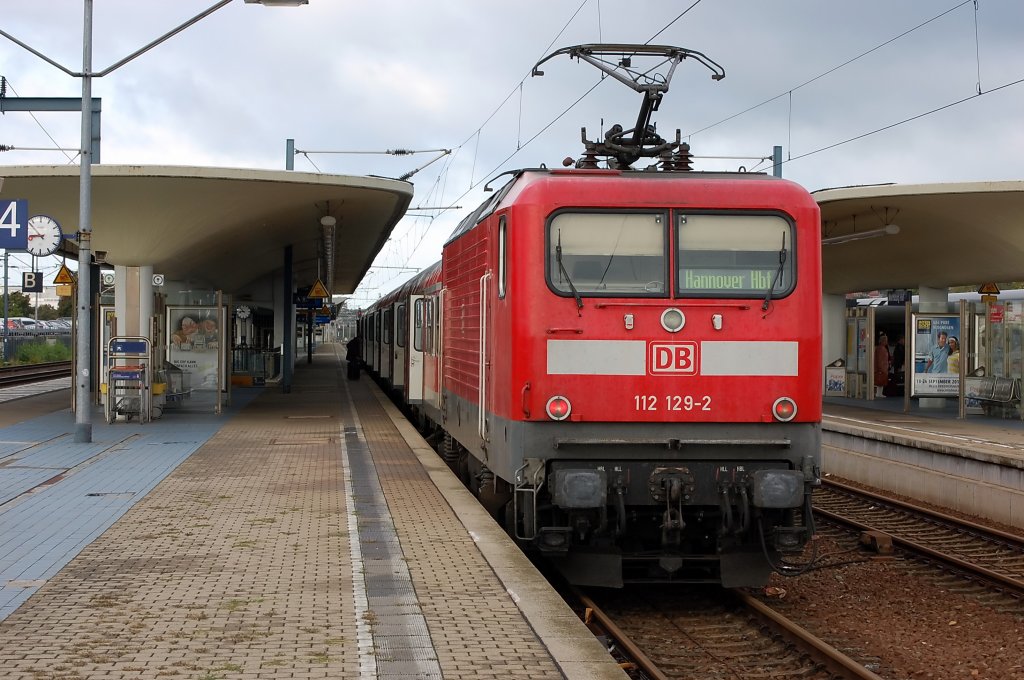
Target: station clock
<point x="44" y="235"/>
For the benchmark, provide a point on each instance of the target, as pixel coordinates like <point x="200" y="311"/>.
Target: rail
<point x="29" y="373"/>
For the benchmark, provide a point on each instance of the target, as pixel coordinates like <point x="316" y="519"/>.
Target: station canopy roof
<point x="949" y="235"/>
<point x="222" y="228"/>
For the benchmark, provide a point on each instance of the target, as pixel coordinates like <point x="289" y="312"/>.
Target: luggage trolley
<point x="128" y="378"/>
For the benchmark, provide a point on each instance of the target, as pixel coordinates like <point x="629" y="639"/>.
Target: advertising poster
<point x="851" y="344"/>
<point x="194" y="342"/>
<point x="936" y="355"/>
<point x="862" y="344"/>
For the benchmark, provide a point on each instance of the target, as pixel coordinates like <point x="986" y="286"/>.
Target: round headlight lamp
<point x="673" y="320"/>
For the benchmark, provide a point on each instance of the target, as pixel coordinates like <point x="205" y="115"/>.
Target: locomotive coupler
<point x="672" y="523"/>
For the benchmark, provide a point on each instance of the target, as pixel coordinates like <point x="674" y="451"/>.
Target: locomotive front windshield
<point x="729" y="255"/>
<point x="625" y="254"/>
<point x="622" y="254"/>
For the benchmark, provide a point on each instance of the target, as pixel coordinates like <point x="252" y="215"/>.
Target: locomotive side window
<point x="722" y="255"/>
<point x="601" y="253"/>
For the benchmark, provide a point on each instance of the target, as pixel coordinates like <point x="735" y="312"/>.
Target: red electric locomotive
<point x="625" y="366"/>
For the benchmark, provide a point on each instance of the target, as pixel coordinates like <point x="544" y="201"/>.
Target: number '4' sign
<point x="13" y="216"/>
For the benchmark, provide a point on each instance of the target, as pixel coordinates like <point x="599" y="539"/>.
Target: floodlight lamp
<point x="277" y="3"/>
<point x="328" y="221"/>
<point x="887" y="230"/>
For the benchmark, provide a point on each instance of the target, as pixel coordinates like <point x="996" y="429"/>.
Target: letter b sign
<point x="677" y="358"/>
<point x="31" y="282"/>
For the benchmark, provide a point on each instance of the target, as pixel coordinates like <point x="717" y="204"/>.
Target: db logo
<point x="679" y="358"/>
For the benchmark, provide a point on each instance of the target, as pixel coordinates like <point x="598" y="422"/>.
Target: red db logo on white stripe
<point x="678" y="358"/>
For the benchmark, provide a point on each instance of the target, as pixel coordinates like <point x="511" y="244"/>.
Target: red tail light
<point x="784" y="409"/>
<point x="558" y="408"/>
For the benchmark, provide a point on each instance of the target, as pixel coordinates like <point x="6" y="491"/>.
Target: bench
<point x="992" y="393"/>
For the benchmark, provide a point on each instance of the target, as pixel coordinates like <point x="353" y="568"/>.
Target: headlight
<point x="673" y="320"/>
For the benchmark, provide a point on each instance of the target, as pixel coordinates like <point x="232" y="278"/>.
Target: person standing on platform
<point x="899" y="356"/>
<point x="354" y="350"/>
<point x="881" y="364"/>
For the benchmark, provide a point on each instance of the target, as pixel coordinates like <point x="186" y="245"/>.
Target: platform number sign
<point x="13" y="221"/>
<point x="31" y="282"/>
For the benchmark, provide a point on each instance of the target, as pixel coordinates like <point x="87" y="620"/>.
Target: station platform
<point x="312" y="534"/>
<point x="972" y="465"/>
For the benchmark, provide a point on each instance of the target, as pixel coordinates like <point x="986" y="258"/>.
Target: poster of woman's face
<point x="193" y="343"/>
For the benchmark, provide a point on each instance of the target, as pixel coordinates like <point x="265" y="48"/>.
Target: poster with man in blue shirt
<point x="935" y="337"/>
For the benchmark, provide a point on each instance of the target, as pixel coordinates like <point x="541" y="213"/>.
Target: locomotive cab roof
<point x="488" y="206"/>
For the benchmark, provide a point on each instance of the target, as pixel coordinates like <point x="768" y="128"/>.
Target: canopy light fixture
<point x="887" y="230"/>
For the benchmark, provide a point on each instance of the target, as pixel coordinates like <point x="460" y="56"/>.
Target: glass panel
<point x="429" y="323"/>
<point x="402" y="330"/>
<point x="607" y="253"/>
<point x="417" y="329"/>
<point x="735" y="255"/>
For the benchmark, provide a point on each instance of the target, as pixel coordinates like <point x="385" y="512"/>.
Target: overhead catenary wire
<point x="908" y="120"/>
<point x="5" y="83"/>
<point x="830" y="71"/>
<point x="520" y="145"/>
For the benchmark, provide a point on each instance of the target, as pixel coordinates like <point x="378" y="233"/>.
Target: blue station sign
<point x="14" y="224"/>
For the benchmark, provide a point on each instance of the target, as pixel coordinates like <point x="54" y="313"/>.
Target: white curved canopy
<point x="219" y="227"/>
<point x="949" y="234"/>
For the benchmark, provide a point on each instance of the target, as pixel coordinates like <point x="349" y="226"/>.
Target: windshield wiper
<point x="561" y="268"/>
<point x="778" y="275"/>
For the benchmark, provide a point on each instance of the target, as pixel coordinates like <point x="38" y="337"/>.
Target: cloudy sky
<point x="861" y="92"/>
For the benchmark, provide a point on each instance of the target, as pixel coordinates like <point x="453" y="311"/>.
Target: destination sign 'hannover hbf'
<point x="751" y="279"/>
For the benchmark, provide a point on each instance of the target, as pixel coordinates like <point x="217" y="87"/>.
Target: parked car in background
<point x="21" y="323"/>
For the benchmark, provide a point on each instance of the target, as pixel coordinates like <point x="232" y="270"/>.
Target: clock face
<point x="44" y="235"/>
<point x="243" y="312"/>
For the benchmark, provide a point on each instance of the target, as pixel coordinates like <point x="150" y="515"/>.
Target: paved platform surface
<point x="992" y="439"/>
<point x="302" y="535"/>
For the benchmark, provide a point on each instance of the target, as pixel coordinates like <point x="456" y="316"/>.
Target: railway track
<point x="993" y="555"/>
<point x="30" y="373"/>
<point x="685" y="633"/>
<point x="710" y="633"/>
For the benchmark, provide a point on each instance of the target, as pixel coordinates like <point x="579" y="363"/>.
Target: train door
<point x="371" y="345"/>
<point x="386" y="341"/>
<point x="414" y="346"/>
<point x="399" y="347"/>
<point x="433" y="356"/>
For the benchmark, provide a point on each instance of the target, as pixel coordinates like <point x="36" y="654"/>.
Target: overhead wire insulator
<point x="683" y="158"/>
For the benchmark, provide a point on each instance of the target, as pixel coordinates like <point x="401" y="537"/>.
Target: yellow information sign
<point x="988" y="289"/>
<point x="319" y="290"/>
<point x="64" y="276"/>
